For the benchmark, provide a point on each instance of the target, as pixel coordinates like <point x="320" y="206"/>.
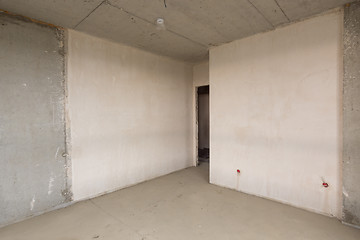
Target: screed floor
<point x="182" y="205"/>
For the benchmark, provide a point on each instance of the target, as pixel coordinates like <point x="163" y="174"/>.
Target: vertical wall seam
<point x="67" y="125"/>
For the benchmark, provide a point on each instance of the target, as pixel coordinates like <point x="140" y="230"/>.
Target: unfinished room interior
<point x="179" y="119"/>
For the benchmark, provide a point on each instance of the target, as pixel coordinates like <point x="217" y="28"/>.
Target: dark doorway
<point x="203" y="124"/>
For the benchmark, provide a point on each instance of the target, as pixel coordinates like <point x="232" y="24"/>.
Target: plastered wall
<point x="33" y="171"/>
<point x="201" y="74"/>
<point x="275" y="114"/>
<point x="130" y="114"/>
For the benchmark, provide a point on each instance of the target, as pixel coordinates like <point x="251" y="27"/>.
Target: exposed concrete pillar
<point x="33" y="170"/>
<point x="351" y="107"/>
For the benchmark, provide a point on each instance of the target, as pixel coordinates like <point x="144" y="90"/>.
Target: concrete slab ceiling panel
<point x="300" y="9"/>
<point x="117" y="24"/>
<point x="177" y="19"/>
<point x="232" y="19"/>
<point x="192" y="26"/>
<point x="271" y="11"/>
<point x="65" y="13"/>
<point x="206" y="22"/>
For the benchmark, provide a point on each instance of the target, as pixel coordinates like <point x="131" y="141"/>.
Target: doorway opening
<point x="203" y="121"/>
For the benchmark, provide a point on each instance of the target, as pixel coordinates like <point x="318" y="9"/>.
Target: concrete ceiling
<point x="192" y="26"/>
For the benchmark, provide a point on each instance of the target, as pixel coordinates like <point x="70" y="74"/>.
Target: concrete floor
<point x="182" y="205"/>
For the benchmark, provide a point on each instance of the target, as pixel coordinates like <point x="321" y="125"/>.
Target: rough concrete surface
<point x="182" y="205"/>
<point x="33" y="174"/>
<point x="136" y="32"/>
<point x="351" y="107"/>
<point x="191" y="26"/>
<point x="64" y="13"/>
<point x="298" y="9"/>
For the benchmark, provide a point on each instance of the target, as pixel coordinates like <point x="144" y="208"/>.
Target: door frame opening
<point x="202" y="88"/>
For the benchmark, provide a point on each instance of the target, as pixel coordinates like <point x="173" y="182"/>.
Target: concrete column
<point x="33" y="170"/>
<point x="351" y="107"/>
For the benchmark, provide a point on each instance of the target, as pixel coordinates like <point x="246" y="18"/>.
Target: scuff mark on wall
<point x="57" y="151"/>
<point x="345" y="193"/>
<point x="51" y="184"/>
<point x="32" y="203"/>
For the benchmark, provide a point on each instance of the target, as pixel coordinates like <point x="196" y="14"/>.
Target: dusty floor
<point x="182" y="206"/>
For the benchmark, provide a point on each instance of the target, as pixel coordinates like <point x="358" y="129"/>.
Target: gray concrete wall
<point x="351" y="129"/>
<point x="33" y="172"/>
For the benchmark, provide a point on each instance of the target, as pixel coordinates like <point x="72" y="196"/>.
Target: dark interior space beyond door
<point x="203" y="123"/>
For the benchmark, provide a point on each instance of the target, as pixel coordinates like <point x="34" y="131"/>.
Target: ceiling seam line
<point x="145" y="20"/>
<point x="261" y="14"/>
<point x="282" y="10"/>
<point x="175" y="33"/>
<point x="89" y="14"/>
